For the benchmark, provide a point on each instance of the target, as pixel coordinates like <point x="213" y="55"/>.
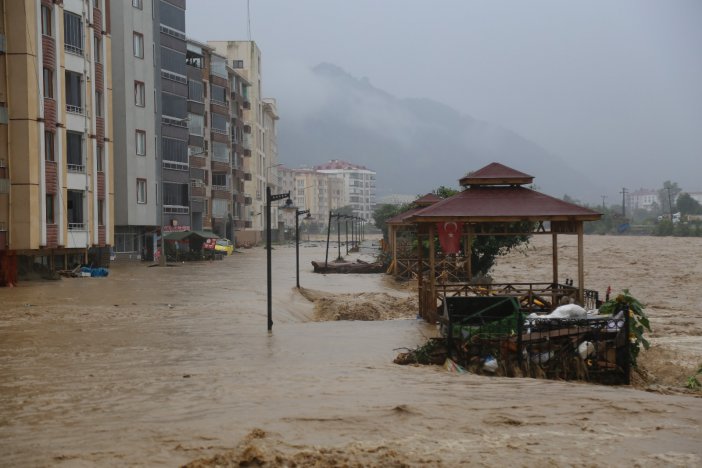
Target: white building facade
<point x="358" y="186"/>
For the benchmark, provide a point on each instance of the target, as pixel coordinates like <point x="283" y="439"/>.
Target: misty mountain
<point x="414" y="145"/>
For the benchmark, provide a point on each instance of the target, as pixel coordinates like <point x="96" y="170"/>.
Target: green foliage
<point x="384" y="212"/>
<point x="692" y="382"/>
<point x="638" y="321"/>
<point x="664" y="228"/>
<point x="667" y="194"/>
<point x="688" y="205"/>
<point x="444" y="192"/>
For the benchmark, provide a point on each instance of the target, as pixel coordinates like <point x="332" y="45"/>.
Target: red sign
<point x="209" y="244"/>
<point x="450" y="236"/>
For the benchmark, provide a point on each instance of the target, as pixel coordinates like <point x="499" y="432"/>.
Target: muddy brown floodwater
<point x="166" y="366"/>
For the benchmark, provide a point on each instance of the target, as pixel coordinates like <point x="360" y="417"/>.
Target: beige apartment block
<point x="245" y="57"/>
<point x="56" y="191"/>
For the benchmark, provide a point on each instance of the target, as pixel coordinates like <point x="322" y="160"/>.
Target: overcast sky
<point x="612" y="87"/>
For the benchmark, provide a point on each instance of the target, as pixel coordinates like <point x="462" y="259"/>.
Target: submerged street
<point x="162" y="366"/>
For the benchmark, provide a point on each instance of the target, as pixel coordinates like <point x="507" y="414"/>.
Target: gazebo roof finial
<point x="496" y="174"/>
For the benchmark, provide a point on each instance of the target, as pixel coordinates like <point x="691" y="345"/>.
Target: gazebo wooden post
<point x="420" y="275"/>
<point x="554" y="246"/>
<point x="581" y="265"/>
<point x="431" y="298"/>
<point x="393" y="241"/>
<point x="468" y="249"/>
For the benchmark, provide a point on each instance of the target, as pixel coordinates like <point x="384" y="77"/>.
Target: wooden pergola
<point x="495" y="202"/>
<point x="403" y="261"/>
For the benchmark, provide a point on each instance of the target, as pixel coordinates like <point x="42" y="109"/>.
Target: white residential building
<point x="358" y="186"/>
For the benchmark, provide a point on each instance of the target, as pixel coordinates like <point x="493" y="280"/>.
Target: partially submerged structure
<point x="495" y="202"/>
<point x="505" y="325"/>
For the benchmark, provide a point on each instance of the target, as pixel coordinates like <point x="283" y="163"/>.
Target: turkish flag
<point x="450" y="236"/>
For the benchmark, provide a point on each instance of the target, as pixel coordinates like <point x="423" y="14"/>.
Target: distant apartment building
<point x="358" y="185"/>
<point x="55" y="132"/>
<point x="137" y="171"/>
<point x="315" y="191"/>
<point x="215" y="110"/>
<point x="245" y="57"/>
<point x="643" y="199"/>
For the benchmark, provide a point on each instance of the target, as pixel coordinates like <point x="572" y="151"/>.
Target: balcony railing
<point x="76" y="226"/>
<point x="74" y="109"/>
<point x="176" y="209"/>
<point x="220" y="131"/>
<point x="222" y="188"/>
<point x="73" y="49"/>
<point x="77" y="168"/>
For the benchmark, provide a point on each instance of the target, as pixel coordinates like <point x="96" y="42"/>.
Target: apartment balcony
<point x="198" y="161"/>
<point x="219" y="166"/>
<point x="248" y="200"/>
<point x="221" y="192"/>
<point x="197" y="189"/>
<point x="76" y="168"/>
<point x="175" y="209"/>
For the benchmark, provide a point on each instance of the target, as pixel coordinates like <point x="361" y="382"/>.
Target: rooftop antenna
<point x="248" y="18"/>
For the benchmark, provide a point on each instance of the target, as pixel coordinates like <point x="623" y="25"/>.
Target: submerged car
<point x="224" y="246"/>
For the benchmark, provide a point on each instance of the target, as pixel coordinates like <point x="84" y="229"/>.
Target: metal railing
<point x="76" y="227"/>
<point x="77" y="168"/>
<point x="70" y="48"/>
<point x="74" y="109"/>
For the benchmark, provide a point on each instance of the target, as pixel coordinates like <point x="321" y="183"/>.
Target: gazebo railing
<point x="532" y="297"/>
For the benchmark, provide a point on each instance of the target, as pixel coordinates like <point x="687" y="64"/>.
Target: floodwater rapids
<point x="163" y="366"/>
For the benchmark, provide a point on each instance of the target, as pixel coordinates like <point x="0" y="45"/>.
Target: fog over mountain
<point x="415" y="145"/>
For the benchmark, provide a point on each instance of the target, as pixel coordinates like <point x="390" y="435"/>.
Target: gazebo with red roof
<point x="495" y="202"/>
<point x="401" y="266"/>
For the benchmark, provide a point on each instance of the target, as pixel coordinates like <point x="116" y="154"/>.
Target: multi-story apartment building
<point x="245" y="57"/>
<point x="315" y="191"/>
<point x="172" y="125"/>
<point x="55" y="132"/>
<point x="359" y="186"/>
<point x="215" y="110"/>
<point x="136" y="168"/>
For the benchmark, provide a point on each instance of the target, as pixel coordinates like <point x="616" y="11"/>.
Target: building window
<point x="50" y="209"/>
<point x="72" y="33"/>
<point x="74" y="92"/>
<point x="175" y="194"/>
<point x="101" y="212"/>
<point x="97" y="49"/>
<point x="237" y="64"/>
<point x="139" y="94"/>
<point x="196" y="124"/>
<point x="218" y="94"/>
<point x="174" y="150"/>
<point x="140" y="142"/>
<point x="100" y="159"/>
<point x="74" y="150"/>
<point x="74" y="210"/>
<point x="141" y="191"/>
<point x="48" y="83"/>
<point x="138" y="43"/>
<point x="138" y="4"/>
<point x="195" y="92"/>
<point x="96" y="4"/>
<point x="99" y="104"/>
<point x="49" y="148"/>
<point x="46" y="20"/>
<point x="219" y="123"/>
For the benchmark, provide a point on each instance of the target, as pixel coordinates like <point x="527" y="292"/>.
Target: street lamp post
<point x="298" y="213"/>
<point x="271" y="198"/>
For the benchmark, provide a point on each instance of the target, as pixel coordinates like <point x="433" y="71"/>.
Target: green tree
<point x="667" y="195"/>
<point x="444" y="192"/>
<point x="688" y="205"/>
<point x="384" y="212"/>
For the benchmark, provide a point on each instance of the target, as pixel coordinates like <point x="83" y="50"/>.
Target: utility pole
<point x="603" y="203"/>
<point x="670" y="204"/>
<point x="624" y="192"/>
